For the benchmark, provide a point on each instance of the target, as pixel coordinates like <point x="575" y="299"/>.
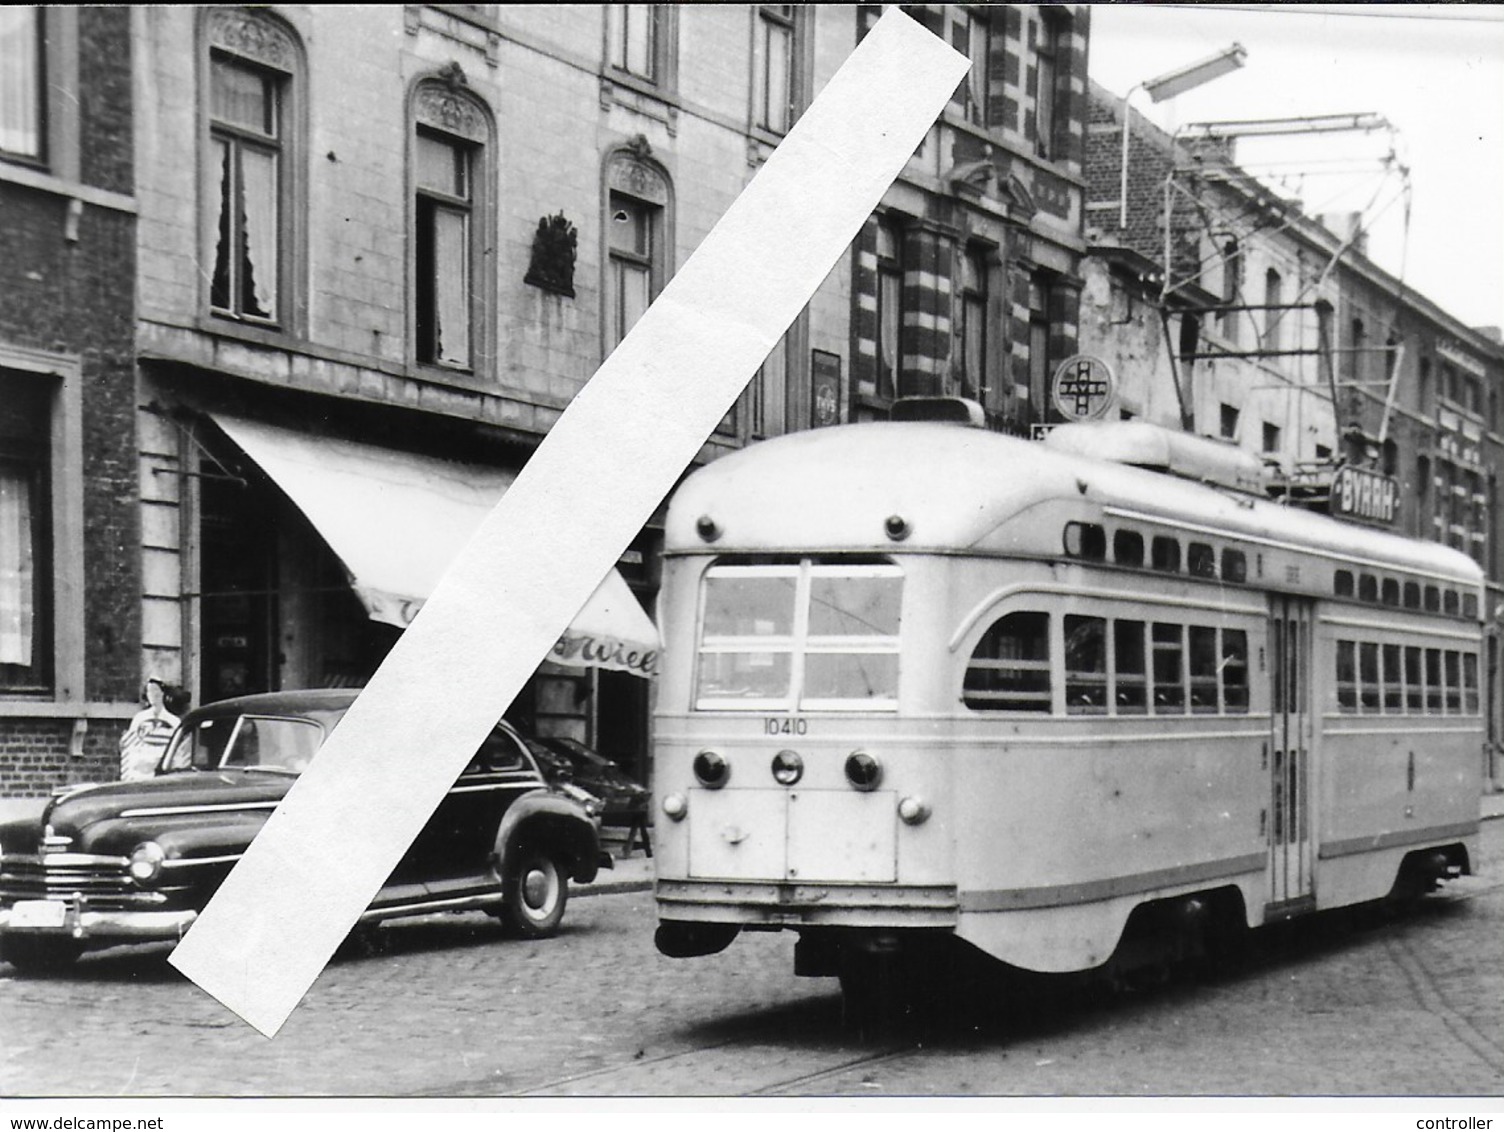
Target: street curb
<point x="610" y="889"/>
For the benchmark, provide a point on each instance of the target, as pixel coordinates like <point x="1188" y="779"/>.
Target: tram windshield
<point x="803" y="635"/>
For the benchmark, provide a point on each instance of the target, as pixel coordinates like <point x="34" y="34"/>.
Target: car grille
<point x="104" y="882"/>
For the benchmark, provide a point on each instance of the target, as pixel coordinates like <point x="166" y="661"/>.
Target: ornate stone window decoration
<point x="637" y="225"/>
<point x="555" y="245"/>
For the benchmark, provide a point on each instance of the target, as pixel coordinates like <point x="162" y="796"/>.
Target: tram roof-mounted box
<point x="1159" y="449"/>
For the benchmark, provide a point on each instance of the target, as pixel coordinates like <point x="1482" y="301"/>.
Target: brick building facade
<point x="69" y="563"/>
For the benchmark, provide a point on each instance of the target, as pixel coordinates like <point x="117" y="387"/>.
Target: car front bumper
<point x="89" y="925"/>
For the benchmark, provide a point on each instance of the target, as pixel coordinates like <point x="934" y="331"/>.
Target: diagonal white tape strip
<point x="340" y="831"/>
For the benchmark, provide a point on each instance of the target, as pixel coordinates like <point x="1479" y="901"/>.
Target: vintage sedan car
<point x="625" y="800"/>
<point x="132" y="861"/>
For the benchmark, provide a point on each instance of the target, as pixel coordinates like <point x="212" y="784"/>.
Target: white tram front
<point x="923" y="680"/>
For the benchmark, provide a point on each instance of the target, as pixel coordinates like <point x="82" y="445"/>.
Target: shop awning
<point x="396" y="520"/>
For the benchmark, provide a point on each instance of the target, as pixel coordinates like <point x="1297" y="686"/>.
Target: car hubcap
<point x="537" y="889"/>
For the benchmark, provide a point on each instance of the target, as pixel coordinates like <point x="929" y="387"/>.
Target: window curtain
<point x="17" y="614"/>
<point x="258" y="173"/>
<point x="20" y="108"/>
<point x="452" y="284"/>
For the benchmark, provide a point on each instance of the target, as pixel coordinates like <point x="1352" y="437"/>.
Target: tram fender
<point x="1049" y="940"/>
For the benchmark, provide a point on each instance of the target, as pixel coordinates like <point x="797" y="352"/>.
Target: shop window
<point x="253" y="217"/>
<point x="1368" y="677"/>
<point x="1169" y="672"/>
<point x="1394" y="688"/>
<point x="1342" y="583"/>
<point x="1470" y="683"/>
<point x="1085" y="665"/>
<point x="1201" y="560"/>
<point x="1234" y="566"/>
<point x="1086" y="540"/>
<point x="1205" y="669"/>
<point x="1127" y="548"/>
<point x="1368" y="588"/>
<point x="1434" y="689"/>
<point x="1010" y="668"/>
<point x="1389" y="592"/>
<point x="1347" y="676"/>
<point x="1411" y="598"/>
<point x="25" y="537"/>
<point x="1165" y="554"/>
<point x="1130" y="683"/>
<point x="22" y="86"/>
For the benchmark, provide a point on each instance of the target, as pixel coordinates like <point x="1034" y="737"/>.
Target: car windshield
<point x="248" y="742"/>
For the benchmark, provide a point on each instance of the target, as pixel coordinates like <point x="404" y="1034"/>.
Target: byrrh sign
<point x="1358" y="493"/>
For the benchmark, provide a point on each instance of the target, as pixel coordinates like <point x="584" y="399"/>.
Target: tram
<point x="923" y="681"/>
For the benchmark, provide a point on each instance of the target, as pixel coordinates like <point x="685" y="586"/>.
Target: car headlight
<point x="146" y="862"/>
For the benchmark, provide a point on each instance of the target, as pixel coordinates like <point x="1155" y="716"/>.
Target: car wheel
<point x="534" y="894"/>
<point x="39" y="955"/>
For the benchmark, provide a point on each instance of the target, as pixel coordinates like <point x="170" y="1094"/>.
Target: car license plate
<point x="38" y="914"/>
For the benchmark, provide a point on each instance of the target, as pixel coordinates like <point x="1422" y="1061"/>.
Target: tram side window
<point x="1433" y="681"/>
<point x="1389" y="592"/>
<point x="1415" y="689"/>
<point x="1470" y="683"/>
<point x="1433" y="600"/>
<point x="1127" y="548"/>
<point x="1368" y="677"/>
<point x="1085" y="666"/>
<point x="1204" y="665"/>
<point x="1165" y="554"/>
<point x="1342" y="583"/>
<point x="1449" y="602"/>
<point x="1086" y="540"/>
<point x="1454" y="682"/>
<point x="1470" y="606"/>
<point x="1234" y="566"/>
<point x="1010" y="669"/>
<point x="1128" y="659"/>
<point x="1368" y="588"/>
<point x="1412" y="595"/>
<point x="1169" y="672"/>
<point x="1394" y="689"/>
<point x="1347" y="676"/>
<point x="1234" y="670"/>
<point x="1201" y="560"/>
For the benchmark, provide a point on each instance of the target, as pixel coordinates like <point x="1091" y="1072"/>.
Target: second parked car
<point x="138" y="860"/>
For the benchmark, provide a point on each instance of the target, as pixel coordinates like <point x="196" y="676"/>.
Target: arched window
<point x="450" y="163"/>
<point x="253" y="195"/>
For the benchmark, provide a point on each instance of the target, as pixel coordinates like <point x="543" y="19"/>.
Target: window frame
<point x="794" y="19"/>
<point x="889" y="276"/>
<point x="260" y="40"/>
<point x="1051" y="50"/>
<point x="663" y="51"/>
<point x="39" y="118"/>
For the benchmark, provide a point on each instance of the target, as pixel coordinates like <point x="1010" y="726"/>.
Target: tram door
<point x="1287" y="821"/>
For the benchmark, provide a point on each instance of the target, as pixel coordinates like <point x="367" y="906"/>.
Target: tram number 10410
<point x="772" y="725"/>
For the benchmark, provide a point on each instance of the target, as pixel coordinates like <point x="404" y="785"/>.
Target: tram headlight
<point x="675" y="805"/>
<point x="788" y="768"/>
<point x="913" y="811"/>
<point x="146" y="862"/>
<point x="712" y="770"/>
<point x="863" y="771"/>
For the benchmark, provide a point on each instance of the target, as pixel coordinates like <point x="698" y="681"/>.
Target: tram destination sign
<point x="1369" y="496"/>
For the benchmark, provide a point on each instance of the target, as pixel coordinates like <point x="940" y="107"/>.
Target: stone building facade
<point x="409" y="235"/>
<point x="69" y="524"/>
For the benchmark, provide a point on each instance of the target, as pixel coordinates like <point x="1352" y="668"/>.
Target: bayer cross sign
<point x="1083" y="389"/>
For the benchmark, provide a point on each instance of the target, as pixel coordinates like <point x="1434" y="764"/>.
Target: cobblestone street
<point x="450" y="1006"/>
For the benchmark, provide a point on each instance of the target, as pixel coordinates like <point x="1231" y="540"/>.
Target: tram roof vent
<point x="950" y="410"/>
<point x="1160" y="449"/>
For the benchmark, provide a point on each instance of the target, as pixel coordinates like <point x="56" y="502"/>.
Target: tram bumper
<point x="763" y="905"/>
